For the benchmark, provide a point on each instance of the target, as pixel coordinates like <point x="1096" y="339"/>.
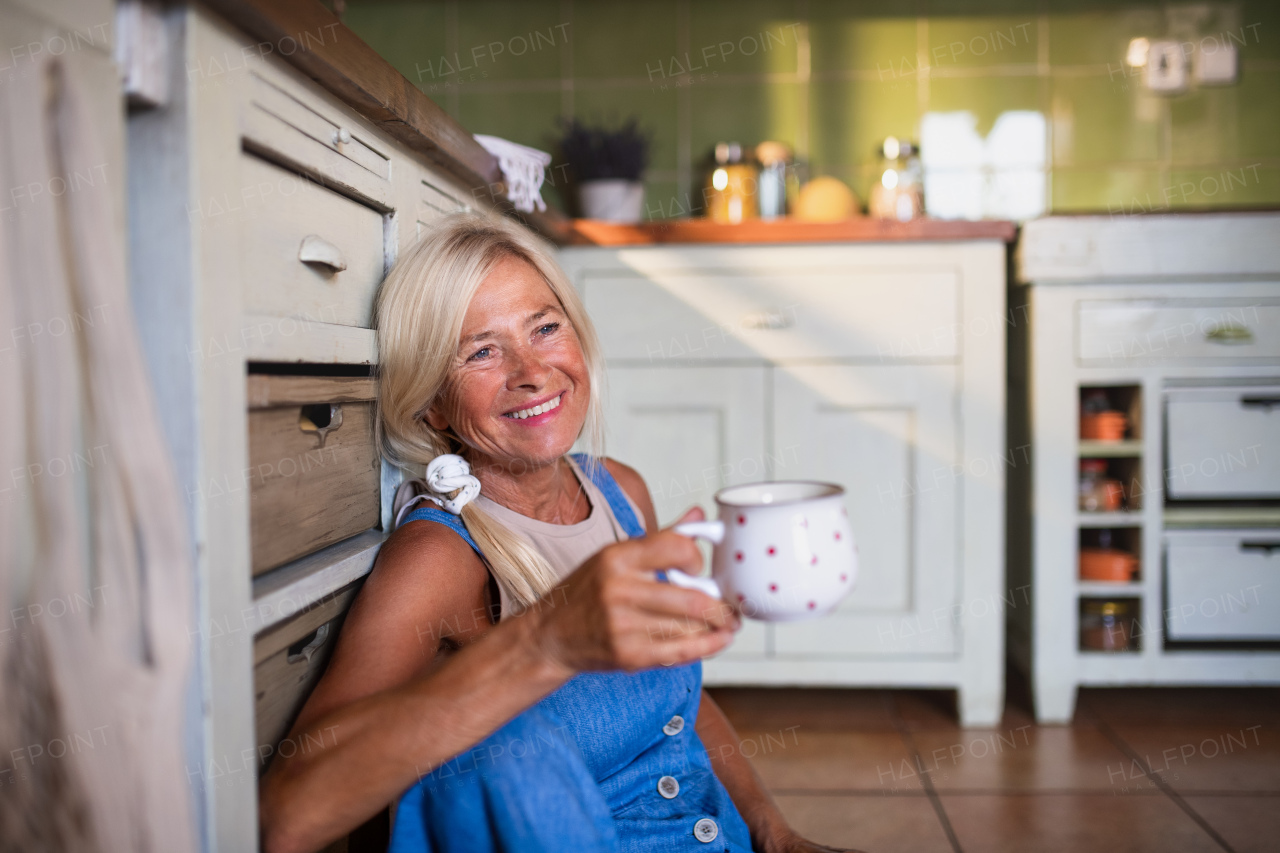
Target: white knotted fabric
<point x="93" y="537"/>
<point x="448" y="484"/>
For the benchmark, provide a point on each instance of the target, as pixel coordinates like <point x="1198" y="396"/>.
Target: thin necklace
<point x="574" y="506"/>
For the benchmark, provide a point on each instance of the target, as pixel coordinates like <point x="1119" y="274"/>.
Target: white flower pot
<point x="612" y="200"/>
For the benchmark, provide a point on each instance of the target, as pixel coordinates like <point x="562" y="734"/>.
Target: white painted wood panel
<point x="690" y="432"/>
<point x="776" y="314"/>
<point x="283" y="210"/>
<point x="1130" y="330"/>
<point x="888" y="435"/>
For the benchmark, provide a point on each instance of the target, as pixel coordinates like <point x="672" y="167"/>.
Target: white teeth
<point x="535" y="410"/>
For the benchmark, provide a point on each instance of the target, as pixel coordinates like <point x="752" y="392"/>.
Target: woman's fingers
<point x="693" y="513"/>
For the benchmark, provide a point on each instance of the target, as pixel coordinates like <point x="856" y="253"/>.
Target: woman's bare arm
<point x="604" y="616"/>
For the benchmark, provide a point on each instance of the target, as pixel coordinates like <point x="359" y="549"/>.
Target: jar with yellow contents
<point x="732" y="193"/>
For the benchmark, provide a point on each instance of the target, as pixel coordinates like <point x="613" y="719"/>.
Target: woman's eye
<point x="479" y="354"/>
<point x="548" y="329"/>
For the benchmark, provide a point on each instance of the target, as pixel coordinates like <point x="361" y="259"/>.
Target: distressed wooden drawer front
<point x="291" y="126"/>
<point x="748" y="314"/>
<point x="314" y="469"/>
<point x="1223" y="585"/>
<point x="288" y="660"/>
<point x="1128" y="330"/>
<point x="309" y="252"/>
<point x="1223" y="442"/>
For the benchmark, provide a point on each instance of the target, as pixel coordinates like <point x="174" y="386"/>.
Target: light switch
<point x="1166" y="69"/>
<point x="1216" y="67"/>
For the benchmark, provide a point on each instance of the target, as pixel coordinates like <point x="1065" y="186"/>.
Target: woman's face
<point x="518" y="390"/>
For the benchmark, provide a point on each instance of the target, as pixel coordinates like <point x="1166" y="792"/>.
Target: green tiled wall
<point x="832" y="77"/>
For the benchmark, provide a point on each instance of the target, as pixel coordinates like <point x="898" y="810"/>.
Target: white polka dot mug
<point x="783" y="551"/>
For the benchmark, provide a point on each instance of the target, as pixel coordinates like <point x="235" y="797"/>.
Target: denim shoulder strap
<point x="612" y="493"/>
<point x="448" y="519"/>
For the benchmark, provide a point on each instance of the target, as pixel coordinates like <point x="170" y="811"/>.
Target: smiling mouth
<point x="535" y="410"/>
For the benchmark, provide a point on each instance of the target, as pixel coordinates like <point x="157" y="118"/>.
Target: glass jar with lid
<point x="1107" y="625"/>
<point x="899" y="191"/>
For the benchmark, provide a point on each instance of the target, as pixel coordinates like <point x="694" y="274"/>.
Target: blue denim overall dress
<point x="608" y="762"/>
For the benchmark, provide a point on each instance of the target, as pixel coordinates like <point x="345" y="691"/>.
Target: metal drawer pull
<point x="317" y="250"/>
<point x="341" y="136"/>
<point x="1265" y="546"/>
<point x="1230" y="334"/>
<point x="1264" y="403"/>
<point x="767" y="319"/>
<point x="308" y="651"/>
<point x="320" y="418"/>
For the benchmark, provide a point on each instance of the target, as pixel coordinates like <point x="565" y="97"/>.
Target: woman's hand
<point x="612" y="613"/>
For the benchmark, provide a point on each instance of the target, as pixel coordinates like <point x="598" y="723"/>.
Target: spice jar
<point x="1106" y="626"/>
<point x="733" y="195"/>
<point x="1097" y="492"/>
<point x="899" y="194"/>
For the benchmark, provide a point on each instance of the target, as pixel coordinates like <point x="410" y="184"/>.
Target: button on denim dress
<point x="601" y="764"/>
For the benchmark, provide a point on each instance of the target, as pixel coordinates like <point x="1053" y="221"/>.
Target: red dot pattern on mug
<point x="739" y="556"/>
<point x="771" y="550"/>
<point x="773" y="587"/>
<point x="742" y="519"/>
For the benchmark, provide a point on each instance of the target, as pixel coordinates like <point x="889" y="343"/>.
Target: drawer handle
<point x="1264" y="403"/>
<point x="308" y="650"/>
<point x="317" y="250"/>
<point x="1264" y="546"/>
<point x="341" y="136"/>
<point x="767" y="319"/>
<point x="320" y="418"/>
<point x="1230" y="334"/>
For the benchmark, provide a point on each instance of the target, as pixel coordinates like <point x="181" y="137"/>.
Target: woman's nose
<point x="528" y="369"/>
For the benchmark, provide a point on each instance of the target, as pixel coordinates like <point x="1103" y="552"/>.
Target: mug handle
<point x="713" y="532"/>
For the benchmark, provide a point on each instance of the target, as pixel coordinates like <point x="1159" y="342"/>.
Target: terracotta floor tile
<point x="765" y="708"/>
<point x="1056" y="758"/>
<point x="1249" y="824"/>
<point x="806" y="760"/>
<point x="1237" y="757"/>
<point x="936" y="709"/>
<point x="1156" y="706"/>
<point x="1071" y="823"/>
<point x="906" y="824"/>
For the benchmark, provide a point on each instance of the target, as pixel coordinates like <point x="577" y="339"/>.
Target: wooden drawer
<point x="776" y="315"/>
<point x="309" y="252"/>
<point x="284" y="122"/>
<point x="1133" y="330"/>
<point x="1223" y="442"/>
<point x="288" y="660"/>
<point x="314" y="468"/>
<point x="1222" y="585"/>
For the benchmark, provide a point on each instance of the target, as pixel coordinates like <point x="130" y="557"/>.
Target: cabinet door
<point x="690" y="431"/>
<point x="888" y="435"/>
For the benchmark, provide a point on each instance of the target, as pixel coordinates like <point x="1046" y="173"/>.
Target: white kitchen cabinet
<point x="264" y="212"/>
<point x="1174" y="320"/>
<point x="888" y="434"/>
<point x="688" y="429"/>
<point x="878" y="366"/>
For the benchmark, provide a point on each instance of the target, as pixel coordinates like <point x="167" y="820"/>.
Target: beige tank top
<point x="565" y="546"/>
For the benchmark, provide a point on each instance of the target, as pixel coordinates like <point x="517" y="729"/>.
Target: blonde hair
<point x="420" y="309"/>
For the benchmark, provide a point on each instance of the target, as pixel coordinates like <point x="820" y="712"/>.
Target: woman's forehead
<point x="513" y="291"/>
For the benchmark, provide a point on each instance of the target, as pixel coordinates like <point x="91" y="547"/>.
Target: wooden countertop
<point x="587" y="232"/>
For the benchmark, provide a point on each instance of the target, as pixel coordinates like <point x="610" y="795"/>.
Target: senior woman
<point x="515" y="672"/>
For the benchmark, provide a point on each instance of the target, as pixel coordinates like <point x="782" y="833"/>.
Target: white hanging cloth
<point x="94" y="549"/>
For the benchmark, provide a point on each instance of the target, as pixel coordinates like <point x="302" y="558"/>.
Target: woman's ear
<point x="435" y="419"/>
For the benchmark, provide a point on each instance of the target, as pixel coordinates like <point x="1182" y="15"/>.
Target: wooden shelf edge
<point x="1110" y="449"/>
<point x="336" y="58"/>
<point x="280" y="593"/>
<point x="587" y="232"/>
